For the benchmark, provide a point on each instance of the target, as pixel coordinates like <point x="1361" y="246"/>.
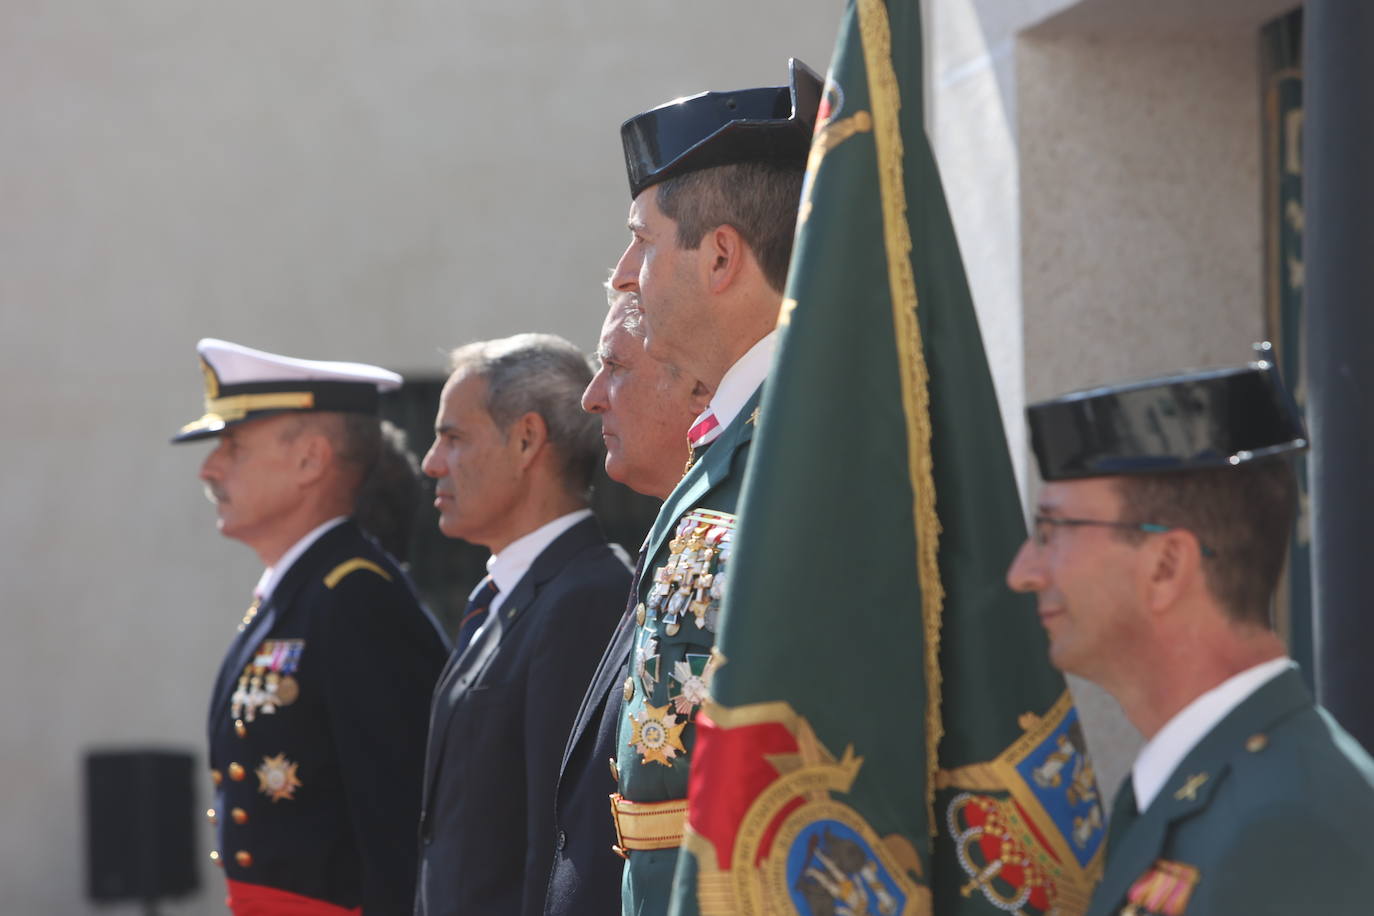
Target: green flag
<point x="886" y="734"/>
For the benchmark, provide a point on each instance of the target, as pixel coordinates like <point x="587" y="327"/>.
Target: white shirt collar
<point x="509" y="566"/>
<point x="272" y="575"/>
<point x="741" y="380"/>
<point x="1162" y="754"/>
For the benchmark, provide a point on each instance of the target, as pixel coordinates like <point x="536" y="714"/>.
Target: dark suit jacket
<point x="499" y="723"/>
<point x="1269" y="814"/>
<point x="585" y="877"/>
<point x="352" y="737"/>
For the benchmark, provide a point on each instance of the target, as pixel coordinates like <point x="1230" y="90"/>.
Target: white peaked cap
<point x="236" y="364"/>
<point x="245" y="384"/>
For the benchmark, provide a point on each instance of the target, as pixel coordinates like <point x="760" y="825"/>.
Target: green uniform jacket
<point x="713" y="483"/>
<point x="1269" y="814"/>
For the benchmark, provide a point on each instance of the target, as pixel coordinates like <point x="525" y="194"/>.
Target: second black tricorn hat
<point x="768" y="124"/>
<point x="1221" y="418"/>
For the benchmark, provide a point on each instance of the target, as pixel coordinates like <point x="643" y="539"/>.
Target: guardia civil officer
<point x="1158" y="542"/>
<point x="715" y="182"/>
<point x="513" y="458"/>
<point x="318" y="715"/>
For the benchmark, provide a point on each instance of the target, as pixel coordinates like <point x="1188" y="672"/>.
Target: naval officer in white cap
<point x="318" y="715"/>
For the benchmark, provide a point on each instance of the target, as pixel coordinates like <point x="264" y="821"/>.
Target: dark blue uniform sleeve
<point x="383" y="657"/>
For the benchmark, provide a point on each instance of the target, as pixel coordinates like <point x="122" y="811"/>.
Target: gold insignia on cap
<point x="277" y="778"/>
<point x="1257" y="742"/>
<point x="211" y="380"/>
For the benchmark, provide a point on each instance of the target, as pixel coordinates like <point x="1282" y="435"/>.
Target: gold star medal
<point x="657" y="736"/>
<point x="277" y="778"/>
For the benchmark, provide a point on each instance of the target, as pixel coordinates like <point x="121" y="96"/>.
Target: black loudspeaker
<point x="140" y="818"/>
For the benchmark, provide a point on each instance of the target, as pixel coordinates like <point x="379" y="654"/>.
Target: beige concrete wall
<point x="331" y="179"/>
<point x="1140" y="203"/>
<point x="972" y="122"/>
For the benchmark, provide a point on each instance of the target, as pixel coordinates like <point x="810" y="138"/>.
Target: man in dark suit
<point x="646" y="408"/>
<point x="317" y="719"/>
<point x="513" y="457"/>
<point x="715" y="182"/>
<point x="1158" y="543"/>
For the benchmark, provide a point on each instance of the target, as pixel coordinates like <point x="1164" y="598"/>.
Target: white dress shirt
<point x="509" y="566"/>
<point x="739" y="382"/>
<point x="1162" y="754"/>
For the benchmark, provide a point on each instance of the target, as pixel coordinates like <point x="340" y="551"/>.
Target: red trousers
<point x="256" y="900"/>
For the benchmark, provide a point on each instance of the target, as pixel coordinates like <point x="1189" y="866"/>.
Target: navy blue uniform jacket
<point x="320" y="796"/>
<point x="500" y="720"/>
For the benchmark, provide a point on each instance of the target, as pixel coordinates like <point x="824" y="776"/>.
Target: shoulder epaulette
<point x="347" y="566"/>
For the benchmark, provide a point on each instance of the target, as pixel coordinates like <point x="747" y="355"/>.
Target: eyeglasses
<point x="1045" y="523"/>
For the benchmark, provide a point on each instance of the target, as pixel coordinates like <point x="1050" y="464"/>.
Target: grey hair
<point x="543" y="374"/>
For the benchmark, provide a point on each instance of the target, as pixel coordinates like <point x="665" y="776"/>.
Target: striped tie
<point x="476" y="613"/>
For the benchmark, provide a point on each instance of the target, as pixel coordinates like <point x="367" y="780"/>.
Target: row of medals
<point x="693" y="578"/>
<point x="267" y="681"/>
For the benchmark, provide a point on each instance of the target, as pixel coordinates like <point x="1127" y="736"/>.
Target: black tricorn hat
<point x="770" y="124"/>
<point x="1222" y="418"/>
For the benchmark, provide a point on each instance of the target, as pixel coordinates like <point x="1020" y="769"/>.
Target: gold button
<point x="214" y="857"/>
<point x="211" y="816"/>
<point x="244" y="858"/>
<point x="240" y="729"/>
<point x="1257" y="742"/>
<point x="672" y="628"/>
<point x="240" y="816"/>
<point x="236" y="772"/>
<point x="640" y="614"/>
<point x="629" y="689"/>
<point x="615" y="771"/>
<point x="216" y="777"/>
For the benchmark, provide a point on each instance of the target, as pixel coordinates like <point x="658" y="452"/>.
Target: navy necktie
<point x="476" y="613"/>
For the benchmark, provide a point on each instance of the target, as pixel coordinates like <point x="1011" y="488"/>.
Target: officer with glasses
<point x="1158" y="542"/>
